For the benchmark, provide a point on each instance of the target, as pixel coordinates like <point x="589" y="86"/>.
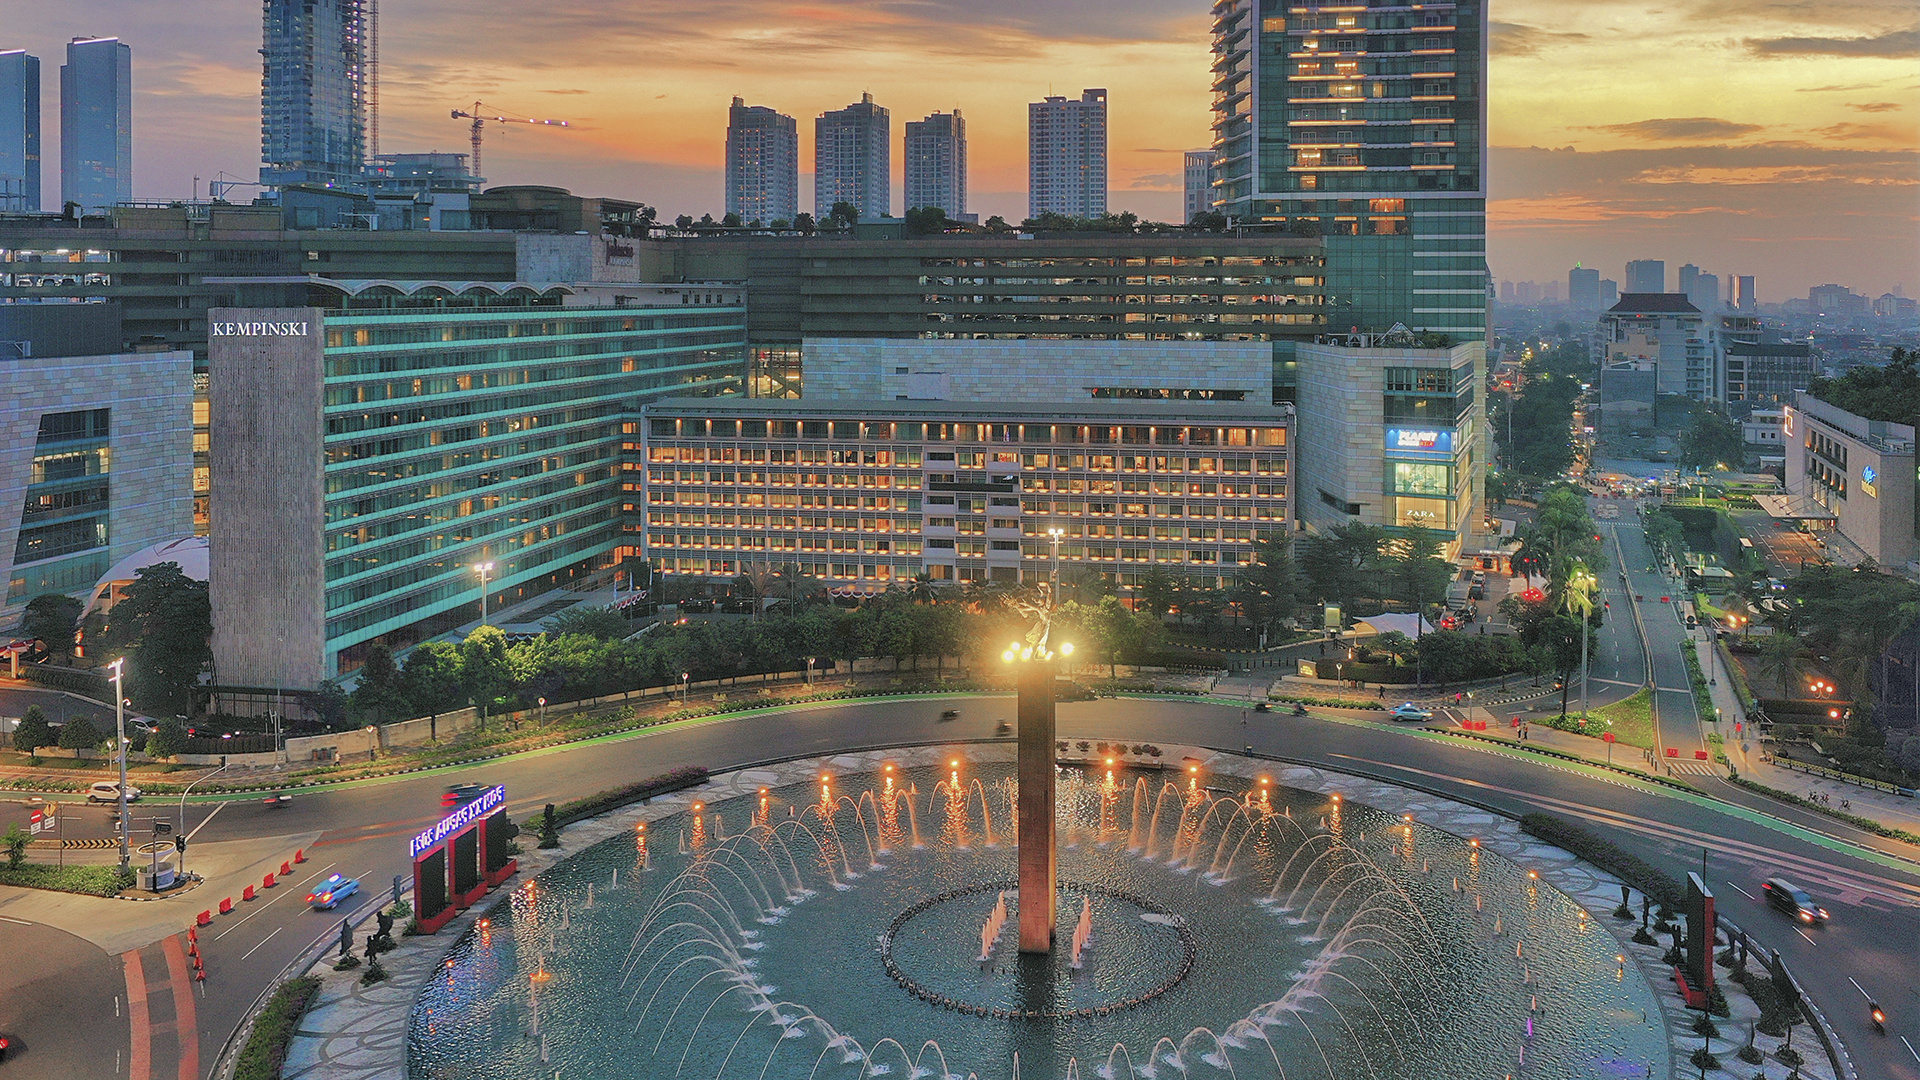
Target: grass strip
<point x="1663" y="887"/>
<point x="266" y="1049"/>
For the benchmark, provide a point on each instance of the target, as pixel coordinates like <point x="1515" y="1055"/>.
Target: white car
<point x="1409" y="711"/>
<point x="108" y="791"/>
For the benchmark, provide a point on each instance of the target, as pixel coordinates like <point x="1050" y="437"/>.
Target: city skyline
<point x="1742" y="139"/>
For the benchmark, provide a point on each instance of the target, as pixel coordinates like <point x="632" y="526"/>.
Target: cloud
<point x="1875" y="106"/>
<point x="1884" y="132"/>
<point x="1893" y="44"/>
<point x="1680" y="129"/>
<point x="1519" y="39"/>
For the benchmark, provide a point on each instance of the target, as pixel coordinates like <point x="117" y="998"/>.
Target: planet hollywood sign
<point x="257" y="329"/>
<point x="458" y="820"/>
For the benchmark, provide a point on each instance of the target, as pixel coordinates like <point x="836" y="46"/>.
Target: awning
<point x="1794" y="508"/>
<point x="1408" y="623"/>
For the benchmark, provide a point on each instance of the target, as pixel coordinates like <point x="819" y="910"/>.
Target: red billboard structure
<point x="460" y="859"/>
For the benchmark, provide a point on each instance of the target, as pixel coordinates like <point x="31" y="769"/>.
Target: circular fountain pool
<point x="864" y="925"/>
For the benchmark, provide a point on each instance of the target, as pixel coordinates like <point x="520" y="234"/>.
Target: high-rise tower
<point x="763" y="163"/>
<point x="96" y="124"/>
<point x="1646" y="276"/>
<point x="852" y="159"/>
<point x="1368" y="127"/>
<point x="1067" y="155"/>
<point x="313" y="92"/>
<point x="19" y="131"/>
<point x="1198" y="186"/>
<point x="936" y="165"/>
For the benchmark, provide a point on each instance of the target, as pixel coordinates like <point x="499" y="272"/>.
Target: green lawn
<point x="1631" y="721"/>
<point x="93" y="880"/>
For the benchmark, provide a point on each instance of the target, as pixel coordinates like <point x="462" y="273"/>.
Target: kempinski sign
<point x="257" y="329"/>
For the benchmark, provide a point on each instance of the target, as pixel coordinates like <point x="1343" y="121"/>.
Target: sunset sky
<point x="1772" y="138"/>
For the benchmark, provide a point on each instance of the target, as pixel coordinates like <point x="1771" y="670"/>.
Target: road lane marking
<point x="1803" y="934"/>
<point x="140" y="1058"/>
<point x="250" y="952"/>
<point x="186" y="1023"/>
<point x="1862" y="989"/>
<point x="1743" y="892"/>
<point x="16" y="922"/>
<point x="217" y="807"/>
<point x="1910" y="1049"/>
<point x="263" y="907"/>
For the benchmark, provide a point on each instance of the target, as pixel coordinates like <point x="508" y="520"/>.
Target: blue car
<point x="328" y="894"/>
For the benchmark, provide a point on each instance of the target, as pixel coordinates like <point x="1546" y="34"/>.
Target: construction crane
<point x="479" y="118"/>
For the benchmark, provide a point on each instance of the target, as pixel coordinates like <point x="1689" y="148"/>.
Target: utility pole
<point x="120" y="734"/>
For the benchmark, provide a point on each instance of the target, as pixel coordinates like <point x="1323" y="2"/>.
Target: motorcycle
<point x="1879" y="1017"/>
<point x="278" y="800"/>
<point x="1299" y="709"/>
<point x="1003" y="728"/>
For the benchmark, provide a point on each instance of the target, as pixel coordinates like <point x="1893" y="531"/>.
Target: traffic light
<point x="180" y="844"/>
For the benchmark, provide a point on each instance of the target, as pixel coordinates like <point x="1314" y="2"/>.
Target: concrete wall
<point x="265" y="579"/>
<point x="150" y="440"/>
<point x="1062" y="371"/>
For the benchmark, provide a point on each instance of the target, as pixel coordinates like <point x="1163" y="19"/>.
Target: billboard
<point x="1419" y="440"/>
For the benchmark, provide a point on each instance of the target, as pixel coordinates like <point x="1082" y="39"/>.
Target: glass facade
<point x="454" y="437"/>
<point x="313" y="101"/>
<point x="1364" y="125"/>
<point x="863" y="499"/>
<point x="62" y="544"/>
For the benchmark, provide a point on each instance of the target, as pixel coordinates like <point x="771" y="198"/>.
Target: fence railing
<point x="1843" y="777"/>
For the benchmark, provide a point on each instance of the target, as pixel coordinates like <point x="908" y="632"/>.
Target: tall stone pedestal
<point x="1036" y="778"/>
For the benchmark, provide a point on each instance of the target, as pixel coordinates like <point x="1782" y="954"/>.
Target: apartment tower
<point x="1067" y="155"/>
<point x="313" y="92"/>
<point x="19" y="131"/>
<point x="936" y="165"/>
<point x="852" y="159"/>
<point x="763" y="163"/>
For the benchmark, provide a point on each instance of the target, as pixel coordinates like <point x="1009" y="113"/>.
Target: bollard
<point x="267" y="882"/>
<point x="247" y="893"/>
<point x="299" y="855"/>
<point x="226" y="906"/>
<point x="286" y="870"/>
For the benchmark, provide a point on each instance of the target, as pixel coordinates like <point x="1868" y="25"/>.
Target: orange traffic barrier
<point x="192" y="935"/>
<point x="203" y="918"/>
<point x="299" y="855"/>
<point x="198" y="963"/>
<point x="246" y="893"/>
<point x="267" y="882"/>
<point x="226" y="906"/>
<point x="200" y="975"/>
<point x="286" y="870"/>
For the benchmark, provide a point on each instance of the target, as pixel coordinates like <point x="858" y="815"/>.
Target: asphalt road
<point x="1876" y="909"/>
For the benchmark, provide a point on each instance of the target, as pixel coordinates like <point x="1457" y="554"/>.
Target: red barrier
<point x="200" y="975"/>
<point x="226" y="906"/>
<point x="286" y="870"/>
<point x="192" y="935"/>
<point x="247" y="893"/>
<point x="1700" y="755"/>
<point x="203" y="919"/>
<point x="299" y="855"/>
<point x="198" y="963"/>
<point x="1673" y="751"/>
<point x="267" y="882"/>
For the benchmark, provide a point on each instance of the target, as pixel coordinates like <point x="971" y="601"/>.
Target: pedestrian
<point x="1381" y="691"/>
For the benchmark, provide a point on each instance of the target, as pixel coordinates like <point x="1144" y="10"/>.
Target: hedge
<point x="1855" y="820"/>
<point x="614" y="798"/>
<point x="266" y="1049"/>
<point x="90" y="880"/>
<point x="1663" y="887"/>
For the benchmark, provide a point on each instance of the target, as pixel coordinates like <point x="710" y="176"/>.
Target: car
<point x="1409" y="711"/>
<point x="331" y="890"/>
<point x="1793" y="900"/>
<point x="462" y="794"/>
<point x="696" y="607"/>
<point x="738" y="606"/>
<point x="108" y="791"/>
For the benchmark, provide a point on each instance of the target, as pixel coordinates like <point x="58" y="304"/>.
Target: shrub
<point x="1717" y="1002"/>
<point x="33" y="732"/>
<point x="346" y="962"/>
<point x="266" y="1048"/>
<point x="89" y="880"/>
<point x="1790" y="1057"/>
<point x="549" y="832"/>
<point x="1751" y="1055"/>
<point x="1632" y="869"/>
<point x="400" y="909"/>
<point x="1704" y="1059"/>
<point x="374" y="973"/>
<point x="14" y="841"/>
<point x="614" y="798"/>
<point x="1705" y="1028"/>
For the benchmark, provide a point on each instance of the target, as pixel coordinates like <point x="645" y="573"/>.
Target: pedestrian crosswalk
<point x="1695" y="767"/>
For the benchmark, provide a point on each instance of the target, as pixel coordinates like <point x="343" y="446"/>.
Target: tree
<point x="1269" y="586"/>
<point x="731" y="220"/>
<point x="168" y="739"/>
<point x="926" y="220"/>
<point x="1499" y="487"/>
<point x="1207" y="221"/>
<point x="843" y="215"/>
<point x="14" y="842"/>
<point x="1420" y="574"/>
<point x="51" y="617"/>
<point x="1157" y="588"/>
<point x="803" y="224"/>
<point x="1780" y="659"/>
<point x="486" y="675"/>
<point x="1342" y="563"/>
<point x="996" y="223"/>
<point x="430" y="678"/>
<point x="79" y="734"/>
<point x="378" y="696"/>
<point x="683" y="222"/>
<point x="601" y="623"/>
<point x="1553" y="637"/>
<point x="33" y="732"/>
<point x="1712" y="439"/>
<point x="164" y="625"/>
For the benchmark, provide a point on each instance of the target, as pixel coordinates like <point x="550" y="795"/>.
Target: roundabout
<point x="829" y="916"/>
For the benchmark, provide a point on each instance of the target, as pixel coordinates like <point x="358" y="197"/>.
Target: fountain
<point x="1236" y="938"/>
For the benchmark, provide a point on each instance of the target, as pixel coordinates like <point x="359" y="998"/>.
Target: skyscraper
<point x="19" y="131"/>
<point x="1703" y="291"/>
<point x="936" y="165"/>
<point x="1583" y="289"/>
<point x="96" y="123"/>
<point x="1744" y="297"/>
<point x="1199" y="183"/>
<point x="1688" y="272"/>
<point x="313" y="92"/>
<point x="763" y="163"/>
<point x="852" y="159"/>
<point x="1646" y="276"/>
<point x="1367" y="127"/>
<point x="1067" y="155"/>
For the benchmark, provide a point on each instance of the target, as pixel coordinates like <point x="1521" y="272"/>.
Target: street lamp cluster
<point x="1017" y="651"/>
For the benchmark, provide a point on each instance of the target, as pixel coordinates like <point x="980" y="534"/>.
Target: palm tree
<point x="1780" y="658"/>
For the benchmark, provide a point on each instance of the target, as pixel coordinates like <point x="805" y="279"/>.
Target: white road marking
<point x="16" y="922"/>
<point x="1803" y="934"/>
<point x="217" y="807"/>
<point x="1862" y="989"/>
<point x="1910" y="1049"/>
<point x="1742" y="891"/>
<point x="262" y="908"/>
<point x="263" y="941"/>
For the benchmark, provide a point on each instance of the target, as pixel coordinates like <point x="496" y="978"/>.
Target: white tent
<point x="1409" y="624"/>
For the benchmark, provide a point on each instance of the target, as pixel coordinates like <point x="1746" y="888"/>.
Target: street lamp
<point x="543" y="713"/>
<point x="809" y="671"/>
<point x="182" y="834"/>
<point x="120" y="729"/>
<point x="483" y="569"/>
<point x="684" y="677"/>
